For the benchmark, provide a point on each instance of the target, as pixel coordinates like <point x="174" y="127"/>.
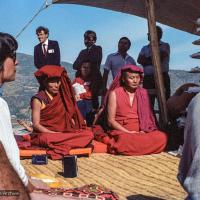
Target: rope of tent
<point x="44" y="6"/>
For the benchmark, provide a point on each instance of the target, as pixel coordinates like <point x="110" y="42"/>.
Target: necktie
<point x="44" y="50"/>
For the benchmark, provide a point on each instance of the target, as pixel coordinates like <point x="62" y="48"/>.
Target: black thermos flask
<point x="70" y="166"/>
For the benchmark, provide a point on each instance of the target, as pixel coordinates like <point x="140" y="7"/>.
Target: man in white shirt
<point x="116" y="61"/>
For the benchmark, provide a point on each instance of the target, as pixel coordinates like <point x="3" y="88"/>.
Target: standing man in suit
<point x="92" y="54"/>
<point x="47" y="52"/>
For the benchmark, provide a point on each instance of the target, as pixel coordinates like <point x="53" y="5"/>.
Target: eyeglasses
<point x="13" y="55"/>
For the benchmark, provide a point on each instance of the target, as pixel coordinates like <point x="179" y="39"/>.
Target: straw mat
<point x="131" y="177"/>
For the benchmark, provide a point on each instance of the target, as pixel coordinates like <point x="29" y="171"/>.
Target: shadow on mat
<point x="142" y="197"/>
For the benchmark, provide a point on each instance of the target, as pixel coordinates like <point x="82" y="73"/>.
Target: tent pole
<point x="156" y="62"/>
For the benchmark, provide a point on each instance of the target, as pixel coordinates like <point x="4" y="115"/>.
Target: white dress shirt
<point x="46" y="45"/>
<point x="115" y="62"/>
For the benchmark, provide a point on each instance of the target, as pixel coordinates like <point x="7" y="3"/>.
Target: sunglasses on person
<point x="13" y="56"/>
<point x="89" y="38"/>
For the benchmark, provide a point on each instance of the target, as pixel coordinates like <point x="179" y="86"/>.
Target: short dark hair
<point x="86" y="60"/>
<point x="8" y="45"/>
<point x="159" y="32"/>
<point x="128" y="40"/>
<point x="90" y="32"/>
<point x="42" y="28"/>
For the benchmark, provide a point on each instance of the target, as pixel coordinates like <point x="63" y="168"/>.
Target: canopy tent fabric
<point x="175" y="13"/>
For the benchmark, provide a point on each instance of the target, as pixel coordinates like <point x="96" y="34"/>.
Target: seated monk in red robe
<point x="56" y="119"/>
<point x="131" y="125"/>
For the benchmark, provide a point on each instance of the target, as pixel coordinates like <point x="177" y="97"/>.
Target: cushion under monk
<point x="27" y="153"/>
<point x="99" y="147"/>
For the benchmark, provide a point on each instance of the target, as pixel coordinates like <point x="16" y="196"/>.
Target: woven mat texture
<point x="151" y="177"/>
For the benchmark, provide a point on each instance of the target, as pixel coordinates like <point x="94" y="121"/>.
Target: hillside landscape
<point x="19" y="92"/>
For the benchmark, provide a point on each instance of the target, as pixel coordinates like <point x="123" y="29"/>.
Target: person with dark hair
<point x="116" y="61"/>
<point x="47" y="52"/>
<point x="8" y="145"/>
<point x="56" y="119"/>
<point x="145" y="59"/>
<point x="93" y="54"/>
<point x="87" y="89"/>
<point x="131" y="127"/>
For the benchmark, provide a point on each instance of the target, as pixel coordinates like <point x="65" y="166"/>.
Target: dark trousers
<point x="149" y="83"/>
<point x="86" y="107"/>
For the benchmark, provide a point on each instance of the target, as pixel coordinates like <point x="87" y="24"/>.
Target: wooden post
<point x="156" y="61"/>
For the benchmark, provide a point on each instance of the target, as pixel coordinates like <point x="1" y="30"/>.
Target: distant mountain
<point x="26" y="65"/>
<point x="19" y="92"/>
<point x="179" y="77"/>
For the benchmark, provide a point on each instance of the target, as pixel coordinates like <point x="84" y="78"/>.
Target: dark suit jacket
<point x="52" y="57"/>
<point x="94" y="55"/>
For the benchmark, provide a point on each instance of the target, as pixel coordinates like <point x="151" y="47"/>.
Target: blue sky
<point x="67" y="24"/>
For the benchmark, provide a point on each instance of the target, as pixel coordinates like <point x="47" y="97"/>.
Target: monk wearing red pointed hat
<point x="56" y="118"/>
<point x="131" y="127"/>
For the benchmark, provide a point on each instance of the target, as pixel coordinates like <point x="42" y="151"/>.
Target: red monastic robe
<point x="57" y="116"/>
<point x="119" y="142"/>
